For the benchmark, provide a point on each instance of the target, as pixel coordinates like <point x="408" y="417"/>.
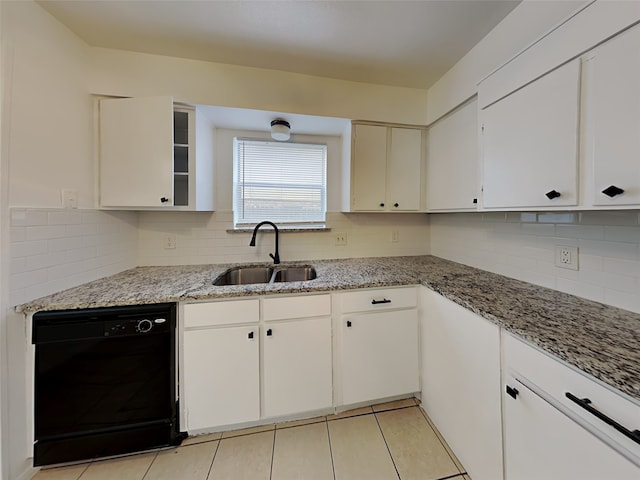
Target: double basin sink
<point x="276" y="274"/>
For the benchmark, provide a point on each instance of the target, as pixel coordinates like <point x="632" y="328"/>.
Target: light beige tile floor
<point x="394" y="441"/>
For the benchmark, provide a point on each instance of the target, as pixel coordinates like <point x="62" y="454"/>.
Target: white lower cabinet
<point x="379" y="345"/>
<point x="297" y="366"/>
<point x="220" y="370"/>
<point x="461" y="383"/>
<point x="247" y="360"/>
<point x="548" y="435"/>
<point x="221" y="376"/>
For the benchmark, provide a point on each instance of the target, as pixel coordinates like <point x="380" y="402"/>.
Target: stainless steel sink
<point x="249" y="275"/>
<point x="294" y="274"/>
<point x="244" y="276"/>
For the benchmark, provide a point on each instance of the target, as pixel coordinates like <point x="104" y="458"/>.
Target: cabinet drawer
<point x="554" y="380"/>
<point x="378" y="299"/>
<point x="280" y="308"/>
<point x="221" y="313"/>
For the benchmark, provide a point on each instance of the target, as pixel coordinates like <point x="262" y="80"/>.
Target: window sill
<point x="281" y="229"/>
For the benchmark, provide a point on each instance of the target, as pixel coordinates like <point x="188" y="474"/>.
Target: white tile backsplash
<point x="203" y="238"/>
<point x="54" y="249"/>
<point x="515" y="245"/>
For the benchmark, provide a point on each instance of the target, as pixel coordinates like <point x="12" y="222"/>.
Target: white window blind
<point x="281" y="182"/>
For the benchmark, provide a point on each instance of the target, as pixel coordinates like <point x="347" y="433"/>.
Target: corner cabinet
<point x="386" y="169"/>
<point x="529" y="142"/>
<point x="452" y="161"/>
<point x="151" y="156"/>
<point x="461" y="383"/>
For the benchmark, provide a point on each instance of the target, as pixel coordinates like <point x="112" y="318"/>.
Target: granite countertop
<point x="600" y="340"/>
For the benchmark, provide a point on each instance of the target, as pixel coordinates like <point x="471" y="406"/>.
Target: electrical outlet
<point x="69" y="198"/>
<point x="341" y="239"/>
<point x="169" y="242"/>
<point x="566" y="257"/>
<point x="395" y="236"/>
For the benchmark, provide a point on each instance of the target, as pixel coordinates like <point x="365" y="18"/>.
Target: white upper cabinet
<point x="386" y="168"/>
<point x="530" y="144"/>
<point x="136" y="152"/>
<point x="148" y="157"/>
<point x="452" y="161"/>
<point x="614" y="97"/>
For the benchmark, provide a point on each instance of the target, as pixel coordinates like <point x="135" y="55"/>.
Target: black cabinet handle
<point x="250" y="335"/>
<point x="396" y="204"/>
<point x="612" y="191"/>
<point x="269" y="332"/>
<point x="348" y="323"/>
<point x="475" y="200"/>
<point x="164" y="199"/>
<point x="382" y="204"/>
<point x="376" y="302"/>
<point x="586" y="404"/>
<point x="512" y="392"/>
<point x="552" y="194"/>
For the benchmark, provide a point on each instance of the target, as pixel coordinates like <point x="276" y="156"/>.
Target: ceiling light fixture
<point x="280" y="130"/>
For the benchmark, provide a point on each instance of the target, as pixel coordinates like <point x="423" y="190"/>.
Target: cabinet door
<point x="297" y="366"/>
<point x="379" y="355"/>
<point x="530" y="143"/>
<point x="368" y="167"/>
<point x="452" y="161"/>
<point x="461" y="383"/>
<point x="616" y="120"/>
<point x="404" y="169"/>
<point x="221" y="376"/>
<point x="541" y="442"/>
<point x="136" y="152"/>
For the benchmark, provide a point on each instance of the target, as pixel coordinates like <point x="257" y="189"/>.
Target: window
<point x="281" y="182"/>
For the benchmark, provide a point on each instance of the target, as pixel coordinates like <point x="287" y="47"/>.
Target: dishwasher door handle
<point x="586" y="404"/>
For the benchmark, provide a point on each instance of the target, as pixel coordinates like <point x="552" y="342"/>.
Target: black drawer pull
<point x="612" y="191"/>
<point x="269" y="332"/>
<point x="250" y="335"/>
<point x="552" y="194"/>
<point x="382" y="204"/>
<point x="348" y="323"/>
<point x="164" y="200"/>
<point x="512" y="392"/>
<point x="586" y="404"/>
<point x="377" y="302"/>
<point x="396" y="204"/>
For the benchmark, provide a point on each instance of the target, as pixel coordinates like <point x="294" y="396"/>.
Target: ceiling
<point x="388" y="42"/>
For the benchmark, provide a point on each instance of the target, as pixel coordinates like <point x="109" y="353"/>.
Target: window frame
<point x="241" y="222"/>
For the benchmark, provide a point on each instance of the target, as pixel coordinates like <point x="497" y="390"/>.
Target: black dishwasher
<point x="105" y="382"/>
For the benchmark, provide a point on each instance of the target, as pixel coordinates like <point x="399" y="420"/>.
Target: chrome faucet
<point x="252" y="243"/>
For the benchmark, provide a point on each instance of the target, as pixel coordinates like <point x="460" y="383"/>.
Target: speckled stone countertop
<point x="601" y="340"/>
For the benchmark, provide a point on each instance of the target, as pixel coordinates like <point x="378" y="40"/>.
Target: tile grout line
<point x="333" y="466"/>
<point x="273" y="452"/>
<point x="446" y="446"/>
<point x="149" y="467"/>
<point x="213" y="459"/>
<point x="384" y="439"/>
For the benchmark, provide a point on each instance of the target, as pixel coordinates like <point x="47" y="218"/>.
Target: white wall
<point x="47" y="145"/>
<point x="120" y="73"/>
<point x="522" y="246"/>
